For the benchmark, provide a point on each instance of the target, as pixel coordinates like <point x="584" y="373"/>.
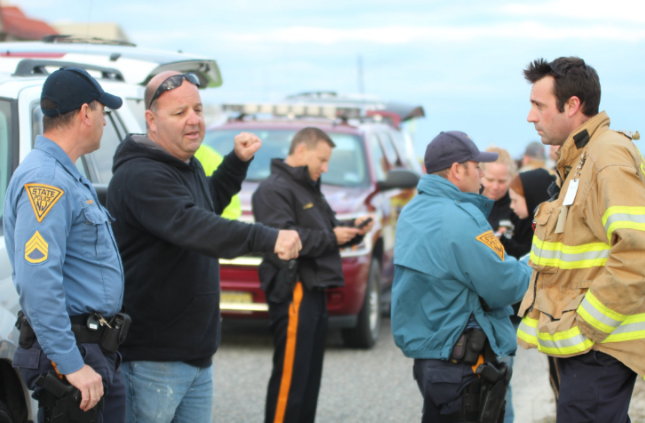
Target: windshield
<point x="347" y="166"/>
<point x="6" y="161"/>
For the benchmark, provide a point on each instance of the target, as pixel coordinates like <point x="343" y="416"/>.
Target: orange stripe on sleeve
<point x="289" y="355"/>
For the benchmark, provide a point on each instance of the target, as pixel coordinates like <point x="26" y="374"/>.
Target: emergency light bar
<point x="294" y="110"/>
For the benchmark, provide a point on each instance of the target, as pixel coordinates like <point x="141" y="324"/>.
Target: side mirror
<point x="399" y="178"/>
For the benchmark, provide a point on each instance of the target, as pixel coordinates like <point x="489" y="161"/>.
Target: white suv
<point x="23" y="69"/>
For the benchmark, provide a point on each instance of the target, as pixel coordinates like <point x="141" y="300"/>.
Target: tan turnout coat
<point x="587" y="290"/>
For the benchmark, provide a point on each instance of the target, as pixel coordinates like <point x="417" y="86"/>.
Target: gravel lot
<point x="362" y="386"/>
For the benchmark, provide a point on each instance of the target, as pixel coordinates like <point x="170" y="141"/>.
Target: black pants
<point x="441" y="383"/>
<point x="594" y="388"/>
<point x="33" y="362"/>
<point x="299" y="330"/>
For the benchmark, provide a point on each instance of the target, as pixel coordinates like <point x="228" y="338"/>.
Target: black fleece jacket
<point x="170" y="236"/>
<point x="289" y="199"/>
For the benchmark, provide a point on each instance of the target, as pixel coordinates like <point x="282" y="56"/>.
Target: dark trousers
<point x="441" y="383"/>
<point x="594" y="388"/>
<point x="299" y="329"/>
<point x="33" y="362"/>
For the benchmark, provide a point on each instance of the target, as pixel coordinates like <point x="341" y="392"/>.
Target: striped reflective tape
<point x="623" y="217"/>
<point x="556" y="254"/>
<point x="598" y="315"/>
<point x="567" y="342"/>
<point x="631" y="329"/>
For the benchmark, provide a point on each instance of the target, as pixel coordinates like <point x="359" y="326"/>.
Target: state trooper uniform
<point x="66" y="266"/>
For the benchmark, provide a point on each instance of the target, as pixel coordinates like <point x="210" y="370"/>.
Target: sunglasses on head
<point x="173" y="82"/>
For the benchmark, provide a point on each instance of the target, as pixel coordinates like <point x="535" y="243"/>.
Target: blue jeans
<point x="509" y="414"/>
<point x="165" y="392"/>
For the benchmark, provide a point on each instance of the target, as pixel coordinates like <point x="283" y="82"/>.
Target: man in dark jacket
<point x="170" y="236"/>
<point x="290" y="198"/>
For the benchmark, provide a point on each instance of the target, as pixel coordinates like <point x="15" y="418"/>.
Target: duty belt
<point x="93" y="328"/>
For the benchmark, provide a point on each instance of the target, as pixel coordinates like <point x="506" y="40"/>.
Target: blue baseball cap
<point x="70" y="88"/>
<point x="453" y="147"/>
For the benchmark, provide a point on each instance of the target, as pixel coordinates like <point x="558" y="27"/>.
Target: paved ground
<point x="363" y="386"/>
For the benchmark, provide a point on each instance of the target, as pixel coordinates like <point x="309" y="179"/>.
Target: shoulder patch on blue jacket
<point x="490" y="240"/>
<point x="42" y="198"/>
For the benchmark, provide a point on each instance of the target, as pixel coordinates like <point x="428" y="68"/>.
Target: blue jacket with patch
<point x="63" y="252"/>
<point x="447" y="262"/>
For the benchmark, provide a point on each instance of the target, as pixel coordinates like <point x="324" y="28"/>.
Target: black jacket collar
<point x="299" y="174"/>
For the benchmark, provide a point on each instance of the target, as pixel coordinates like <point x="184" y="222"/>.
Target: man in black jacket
<point x="170" y="236"/>
<point x="290" y="198"/>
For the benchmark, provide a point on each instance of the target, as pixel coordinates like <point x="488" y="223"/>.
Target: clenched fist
<point x="246" y="145"/>
<point x="287" y="245"/>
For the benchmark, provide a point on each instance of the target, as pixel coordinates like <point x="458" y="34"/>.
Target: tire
<point x="368" y="326"/>
<point x="5" y="414"/>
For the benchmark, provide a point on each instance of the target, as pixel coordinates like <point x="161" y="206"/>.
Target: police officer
<point x="291" y="199"/>
<point x="66" y="266"/>
<point x="453" y="287"/>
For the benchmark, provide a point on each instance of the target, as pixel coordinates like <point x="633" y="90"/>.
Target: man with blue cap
<point x="453" y="288"/>
<point x="66" y="266"/>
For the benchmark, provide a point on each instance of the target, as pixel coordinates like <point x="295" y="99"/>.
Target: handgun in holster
<point x="284" y="281"/>
<point x="62" y="402"/>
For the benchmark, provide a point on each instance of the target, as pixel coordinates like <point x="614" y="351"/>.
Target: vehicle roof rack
<point x="34" y="67"/>
<point x="68" y="39"/>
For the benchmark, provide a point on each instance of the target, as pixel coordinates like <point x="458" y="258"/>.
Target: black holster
<point x="114" y="336"/>
<point x="61" y="402"/>
<point x="281" y="288"/>
<point x="495" y="378"/>
<point x="27" y="334"/>
<point x="469" y="346"/>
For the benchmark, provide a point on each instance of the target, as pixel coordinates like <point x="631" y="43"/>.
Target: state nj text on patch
<point x="491" y="241"/>
<point x="42" y="198"/>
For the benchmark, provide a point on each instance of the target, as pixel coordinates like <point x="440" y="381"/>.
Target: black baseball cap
<point x="453" y="147"/>
<point x="70" y="88"/>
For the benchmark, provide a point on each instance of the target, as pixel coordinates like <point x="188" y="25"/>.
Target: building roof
<point x="18" y="25"/>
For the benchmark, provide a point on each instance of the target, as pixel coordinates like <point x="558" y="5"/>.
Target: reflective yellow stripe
<point x="556" y="254"/>
<point x="572" y="341"/>
<point x="567" y="342"/>
<point x="598" y="315"/>
<point x="623" y="217"/>
<point x="631" y="329"/>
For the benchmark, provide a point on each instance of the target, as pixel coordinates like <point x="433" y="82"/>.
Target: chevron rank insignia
<point x="491" y="241"/>
<point x="36" y="249"/>
<point x="43" y="198"/>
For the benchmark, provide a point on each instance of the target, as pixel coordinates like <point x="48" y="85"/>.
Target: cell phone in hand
<point x="364" y="223"/>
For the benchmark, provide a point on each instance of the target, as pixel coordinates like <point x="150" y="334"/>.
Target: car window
<point x="378" y="159"/>
<point x="100" y="160"/>
<point x="5" y="153"/>
<point x="103" y="157"/>
<point x="347" y="166"/>
<point x="389" y="149"/>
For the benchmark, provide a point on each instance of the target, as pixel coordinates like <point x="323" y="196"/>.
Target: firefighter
<point x="585" y="302"/>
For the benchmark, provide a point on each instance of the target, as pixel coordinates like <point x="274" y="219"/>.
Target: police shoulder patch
<point x="43" y="198"/>
<point x="36" y="249"/>
<point x="491" y="241"/>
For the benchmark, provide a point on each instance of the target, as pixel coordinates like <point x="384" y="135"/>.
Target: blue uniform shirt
<point x="63" y="252"/>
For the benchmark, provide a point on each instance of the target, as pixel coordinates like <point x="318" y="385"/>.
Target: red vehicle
<point x="370" y="171"/>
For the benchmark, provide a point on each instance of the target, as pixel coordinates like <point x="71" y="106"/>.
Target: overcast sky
<point x="461" y="60"/>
